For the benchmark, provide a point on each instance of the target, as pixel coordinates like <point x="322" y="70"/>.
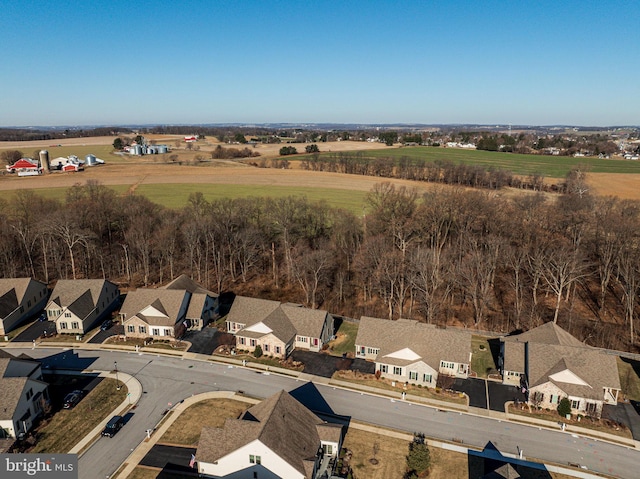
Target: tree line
<point x="450" y="256"/>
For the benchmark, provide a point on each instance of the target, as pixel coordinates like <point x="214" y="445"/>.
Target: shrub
<point x="288" y="150"/>
<point x="257" y="352"/>
<point x="564" y="407"/>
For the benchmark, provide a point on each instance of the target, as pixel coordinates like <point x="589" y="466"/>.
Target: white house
<point x="78" y="305"/>
<point x="23" y="394"/>
<point x="277" y="438"/>
<point x="20" y="299"/>
<point x="414" y="352"/>
<point x="203" y="304"/>
<point x="154" y="313"/>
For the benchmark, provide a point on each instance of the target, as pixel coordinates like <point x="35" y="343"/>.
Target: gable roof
<point x="13" y="379"/>
<point x="550" y="351"/>
<point x="80" y="296"/>
<point x="280" y="422"/>
<point x="406" y="341"/>
<point x="284" y="320"/>
<point x="157" y="307"/>
<point x="12" y="291"/>
<point x="185" y="282"/>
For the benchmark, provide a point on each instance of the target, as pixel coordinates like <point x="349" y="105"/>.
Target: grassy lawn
<point x="481" y="360"/>
<point x="69" y="426"/>
<point x="169" y="345"/>
<point x="599" y="425"/>
<point x="345" y="341"/>
<point x="212" y="412"/>
<point x="385" y="384"/>
<point x="390" y="456"/>
<point x="551" y="166"/>
<point x="629" y="379"/>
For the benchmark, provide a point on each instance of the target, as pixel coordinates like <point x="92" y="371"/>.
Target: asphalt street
<point x="167" y="380"/>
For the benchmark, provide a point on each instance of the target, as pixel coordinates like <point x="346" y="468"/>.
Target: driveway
<point x="626" y="414"/>
<point x="205" y="341"/>
<point x="36" y="330"/>
<point x="500" y="393"/>
<point x="170" y="457"/>
<point x="474" y="388"/>
<point x="102" y="336"/>
<point x="324" y="365"/>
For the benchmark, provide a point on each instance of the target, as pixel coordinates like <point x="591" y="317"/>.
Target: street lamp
<point x="115" y="364"/>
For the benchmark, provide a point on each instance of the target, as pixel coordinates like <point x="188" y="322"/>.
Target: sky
<point x="111" y="62"/>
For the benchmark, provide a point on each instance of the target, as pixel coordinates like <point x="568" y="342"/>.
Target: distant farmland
<point x="549" y="166"/>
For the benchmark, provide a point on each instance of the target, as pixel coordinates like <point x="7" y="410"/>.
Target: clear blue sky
<point x="521" y="62"/>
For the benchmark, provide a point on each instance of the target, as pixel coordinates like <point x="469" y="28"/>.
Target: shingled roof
<point x="430" y="343"/>
<point x="184" y="282"/>
<point x="12" y="291"/>
<point x="156" y="307"/>
<point x="280" y="422"/>
<point x="552" y="350"/>
<point x="284" y="320"/>
<point x="13" y="378"/>
<point x="79" y="296"/>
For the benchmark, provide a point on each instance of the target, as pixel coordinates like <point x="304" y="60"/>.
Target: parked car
<point x="113" y="426"/>
<point x="42" y="317"/>
<point x="106" y="325"/>
<point x="73" y="398"/>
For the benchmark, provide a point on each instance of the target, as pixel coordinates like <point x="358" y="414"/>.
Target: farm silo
<point x="44" y="161"/>
<point x="163" y="148"/>
<point x="90" y="160"/>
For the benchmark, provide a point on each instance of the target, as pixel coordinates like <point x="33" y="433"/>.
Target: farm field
<point x="550" y="166"/>
<point x="223" y="178"/>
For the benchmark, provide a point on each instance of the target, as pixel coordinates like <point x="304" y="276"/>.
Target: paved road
<point x="169" y="380"/>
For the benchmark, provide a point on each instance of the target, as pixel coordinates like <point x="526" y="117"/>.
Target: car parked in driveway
<point x="113" y="426"/>
<point x="106" y="325"/>
<point x="73" y="398"/>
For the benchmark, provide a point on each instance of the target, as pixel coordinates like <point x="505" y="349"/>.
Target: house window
<point x="29" y="304"/>
<point x="67" y="315"/>
<point x="327" y="449"/>
<point x="29" y="394"/>
<point x="131" y="328"/>
<point x="372" y="351"/>
<point x="302" y="339"/>
<point x="575" y="404"/>
<point x="255" y="459"/>
<point x="592" y="409"/>
<point x="266" y="348"/>
<point x="384" y="368"/>
<point x="242" y="341"/>
<point x="75" y="325"/>
<point x="426" y="378"/>
<point x="446" y="365"/>
<point x="413" y="375"/>
<point x="554" y="399"/>
<point x="63" y="325"/>
<point x="277" y="349"/>
<point x="538" y="397"/>
<point x="252" y="342"/>
<point x="155" y="332"/>
<point x="142" y="329"/>
<point x="397" y="371"/>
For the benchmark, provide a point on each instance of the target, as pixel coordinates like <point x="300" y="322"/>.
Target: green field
<point x="550" y="166"/>
<point x="176" y="195"/>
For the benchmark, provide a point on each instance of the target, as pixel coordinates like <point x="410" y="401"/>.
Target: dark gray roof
<point x="280" y="422"/>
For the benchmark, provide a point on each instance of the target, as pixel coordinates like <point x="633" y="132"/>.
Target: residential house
<point x="154" y="313"/>
<point x="414" y="352"/>
<point x="78" y="305"/>
<point x="277" y="438"/>
<point x="203" y="304"/>
<point x="549" y="364"/>
<point x="276" y="327"/>
<point x="24" y="395"/>
<point x="20" y="299"/>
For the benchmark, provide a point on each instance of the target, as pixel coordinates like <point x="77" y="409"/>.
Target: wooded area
<point x="470" y="258"/>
